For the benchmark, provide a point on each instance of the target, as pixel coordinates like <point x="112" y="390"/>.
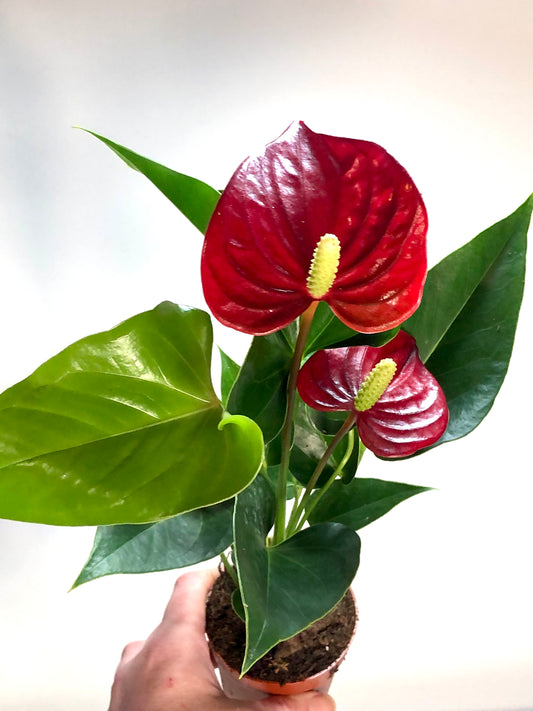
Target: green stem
<point x="297" y="511"/>
<point x="230" y="570"/>
<point x="297" y="491"/>
<point x="286" y="432"/>
<point x="319" y="494"/>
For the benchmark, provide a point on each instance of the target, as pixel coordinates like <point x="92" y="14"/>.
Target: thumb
<point x="310" y="701"/>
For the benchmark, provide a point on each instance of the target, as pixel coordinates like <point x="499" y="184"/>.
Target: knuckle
<point x="185" y="579"/>
<point x="129" y="649"/>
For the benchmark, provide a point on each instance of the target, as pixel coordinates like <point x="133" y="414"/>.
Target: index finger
<point x="187" y="602"/>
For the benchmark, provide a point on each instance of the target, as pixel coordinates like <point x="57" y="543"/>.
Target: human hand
<point x="172" y="669"/>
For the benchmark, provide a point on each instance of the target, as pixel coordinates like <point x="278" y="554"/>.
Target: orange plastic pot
<point x="247" y="689"/>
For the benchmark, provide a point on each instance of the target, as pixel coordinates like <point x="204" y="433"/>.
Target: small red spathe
<point x="412" y="412"/>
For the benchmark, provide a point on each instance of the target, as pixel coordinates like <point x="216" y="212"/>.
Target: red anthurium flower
<point x="312" y="218"/>
<point x="398" y="405"/>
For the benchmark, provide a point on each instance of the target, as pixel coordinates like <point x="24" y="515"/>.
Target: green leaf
<point x="360" y="502"/>
<point x="229" y="373"/>
<point x="313" y="432"/>
<point x="174" y="543"/>
<point x="465" y="325"/>
<point x="327" y="331"/>
<point x="195" y="199"/>
<point x="272" y="475"/>
<point x="124" y="427"/>
<point x="260" y="390"/>
<point x="236" y="603"/>
<point x="285" y="588"/>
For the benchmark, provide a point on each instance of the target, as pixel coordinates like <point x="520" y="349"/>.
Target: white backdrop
<point x="445" y="583"/>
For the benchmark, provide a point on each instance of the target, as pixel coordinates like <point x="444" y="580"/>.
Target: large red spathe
<point x="412" y="412"/>
<point x="260" y="241"/>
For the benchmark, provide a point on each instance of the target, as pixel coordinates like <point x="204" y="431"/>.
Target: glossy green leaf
<point x="124" y="427"/>
<point x="194" y="198"/>
<point x="285" y="588"/>
<point x="312" y="434"/>
<point x="273" y="451"/>
<point x="177" y="542"/>
<point x="466" y="323"/>
<point x="327" y="331"/>
<point x="236" y="603"/>
<point x="360" y="502"/>
<point x="260" y="390"/>
<point x="229" y="372"/>
<point x="272" y="474"/>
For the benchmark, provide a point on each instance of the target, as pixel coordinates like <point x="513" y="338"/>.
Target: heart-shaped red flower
<point x="410" y="414"/>
<point x="258" y="252"/>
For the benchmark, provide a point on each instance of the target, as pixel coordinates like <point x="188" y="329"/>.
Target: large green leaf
<point x="361" y="501"/>
<point x="195" y="199"/>
<point x="174" y="543"/>
<point x="124" y="427"/>
<point x="260" y="390"/>
<point x="465" y="325"/>
<point x="285" y="588"/>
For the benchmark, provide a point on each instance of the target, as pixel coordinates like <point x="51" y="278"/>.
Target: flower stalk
<point x="286" y="433"/>
<point x="307" y="509"/>
<point x="229" y="568"/>
<point x="299" y="509"/>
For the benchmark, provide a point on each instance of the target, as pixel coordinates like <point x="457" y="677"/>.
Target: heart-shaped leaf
<point x="195" y="199"/>
<point x="360" y="502"/>
<point x="465" y="325"/>
<point x="260" y="390"/>
<point x="124" y="427"/>
<point x="177" y="542"/>
<point x="285" y="588"/>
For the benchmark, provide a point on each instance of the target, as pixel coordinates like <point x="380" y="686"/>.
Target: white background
<point x="445" y="583"/>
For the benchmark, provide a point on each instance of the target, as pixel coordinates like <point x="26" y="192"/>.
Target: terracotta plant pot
<point x="252" y="688"/>
<point x="248" y="689"/>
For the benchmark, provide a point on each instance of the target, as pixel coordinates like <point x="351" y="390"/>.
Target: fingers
<point x="185" y="609"/>
<point x="187" y="602"/>
<point x="173" y="665"/>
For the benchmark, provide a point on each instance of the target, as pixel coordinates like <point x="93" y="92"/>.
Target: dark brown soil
<point x="306" y="654"/>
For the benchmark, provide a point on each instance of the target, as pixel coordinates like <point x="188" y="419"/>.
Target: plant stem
<point x="286" y="432"/>
<point x="230" y="570"/>
<point x="319" y="494"/>
<point x="297" y="511"/>
<point x="297" y="491"/>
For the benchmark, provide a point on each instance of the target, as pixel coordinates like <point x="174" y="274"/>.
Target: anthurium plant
<point x="317" y="249"/>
